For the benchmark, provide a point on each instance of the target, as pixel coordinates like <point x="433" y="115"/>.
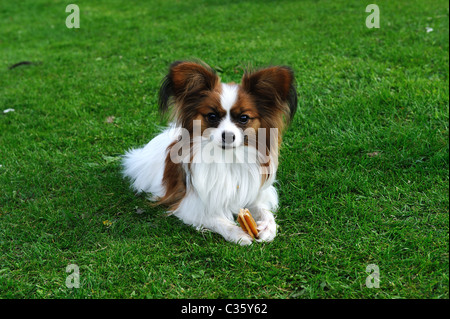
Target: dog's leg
<point x="193" y="212"/>
<point x="265" y="222"/>
<point x="261" y="211"/>
<point x="229" y="230"/>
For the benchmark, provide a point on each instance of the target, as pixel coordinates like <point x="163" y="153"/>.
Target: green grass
<point x="363" y="175"/>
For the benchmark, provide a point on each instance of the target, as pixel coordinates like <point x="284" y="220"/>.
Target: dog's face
<point x="229" y="114"/>
<point x="226" y="115"/>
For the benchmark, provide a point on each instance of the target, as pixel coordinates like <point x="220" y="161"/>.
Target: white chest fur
<point x="229" y="186"/>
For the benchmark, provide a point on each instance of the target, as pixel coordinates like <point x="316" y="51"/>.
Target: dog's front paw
<point x="245" y="240"/>
<point x="267" y="230"/>
<point x="241" y="237"/>
<point x="233" y="233"/>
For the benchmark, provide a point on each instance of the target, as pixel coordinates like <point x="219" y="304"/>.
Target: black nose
<point x="228" y="137"/>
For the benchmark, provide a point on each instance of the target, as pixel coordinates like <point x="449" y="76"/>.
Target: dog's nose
<point x="228" y="137"/>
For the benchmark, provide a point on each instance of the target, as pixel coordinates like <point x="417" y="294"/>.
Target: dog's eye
<point x="212" y="117"/>
<point x="243" y="119"/>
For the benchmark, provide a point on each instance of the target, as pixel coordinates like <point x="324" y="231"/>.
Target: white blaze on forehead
<point x="228" y="96"/>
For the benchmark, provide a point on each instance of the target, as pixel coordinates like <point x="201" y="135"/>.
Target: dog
<point x="220" y="151"/>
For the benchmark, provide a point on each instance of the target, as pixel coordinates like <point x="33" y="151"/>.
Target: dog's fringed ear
<point x="185" y="80"/>
<point x="273" y="88"/>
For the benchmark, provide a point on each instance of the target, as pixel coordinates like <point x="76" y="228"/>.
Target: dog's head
<point x="265" y="99"/>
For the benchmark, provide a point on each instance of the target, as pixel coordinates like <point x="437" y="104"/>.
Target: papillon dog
<point x="220" y="151"/>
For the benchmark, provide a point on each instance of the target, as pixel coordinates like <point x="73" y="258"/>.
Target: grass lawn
<point x="364" y="168"/>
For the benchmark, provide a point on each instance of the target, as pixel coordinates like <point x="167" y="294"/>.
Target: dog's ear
<point x="273" y="89"/>
<point x="186" y="80"/>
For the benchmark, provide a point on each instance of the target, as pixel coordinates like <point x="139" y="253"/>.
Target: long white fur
<point x="215" y="190"/>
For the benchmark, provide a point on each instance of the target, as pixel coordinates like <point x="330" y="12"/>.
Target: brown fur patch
<point x="272" y="93"/>
<point x="173" y="181"/>
<point x="209" y="103"/>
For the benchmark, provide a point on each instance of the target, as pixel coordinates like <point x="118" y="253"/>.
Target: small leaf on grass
<point x="107" y="223"/>
<point x="139" y="211"/>
<point x="110" y="119"/>
<point x="373" y="154"/>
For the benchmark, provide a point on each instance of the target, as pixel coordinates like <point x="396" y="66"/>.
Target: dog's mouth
<point x="227" y="146"/>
